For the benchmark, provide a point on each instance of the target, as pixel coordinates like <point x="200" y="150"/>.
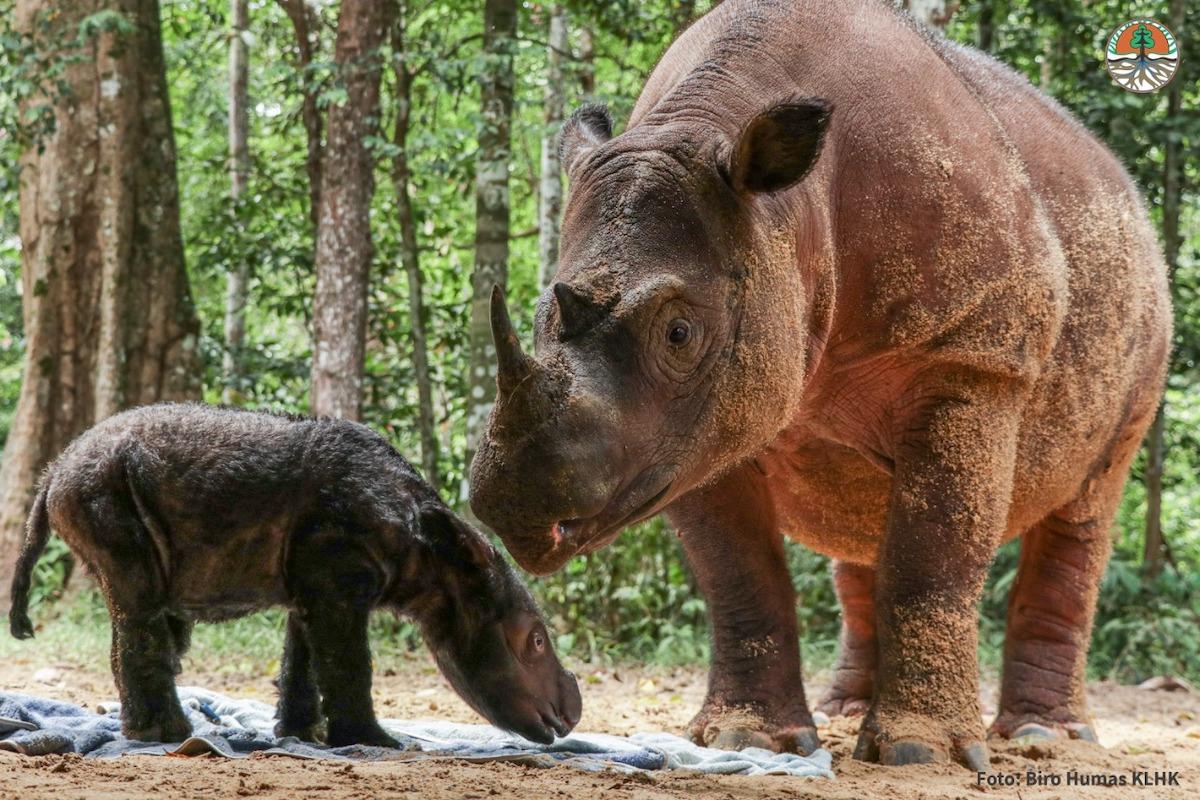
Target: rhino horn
<point x="576" y="312"/>
<point x="512" y="365"/>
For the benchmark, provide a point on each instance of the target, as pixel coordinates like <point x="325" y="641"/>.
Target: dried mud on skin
<point x="1144" y="730"/>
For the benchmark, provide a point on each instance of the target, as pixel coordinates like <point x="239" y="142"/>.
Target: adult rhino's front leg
<point x="755" y="695"/>
<point x="954" y="457"/>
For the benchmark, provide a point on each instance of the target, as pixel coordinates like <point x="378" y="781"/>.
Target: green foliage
<point x="52" y="572"/>
<point x="637" y="601"/>
<point x="1145" y="628"/>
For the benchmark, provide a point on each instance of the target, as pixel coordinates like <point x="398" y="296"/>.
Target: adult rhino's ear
<point x="779" y="146"/>
<point x="588" y="128"/>
<point x="454" y="538"/>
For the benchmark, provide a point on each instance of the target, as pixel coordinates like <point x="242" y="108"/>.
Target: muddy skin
<point x="188" y="512"/>
<point x="887" y="300"/>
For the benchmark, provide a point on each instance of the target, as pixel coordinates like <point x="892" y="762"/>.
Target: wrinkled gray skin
<point x="844" y="281"/>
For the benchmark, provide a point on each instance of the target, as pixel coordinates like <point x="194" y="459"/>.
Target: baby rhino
<point x="188" y="512"/>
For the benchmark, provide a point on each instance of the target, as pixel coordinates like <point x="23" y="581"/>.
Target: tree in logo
<point x="1143" y="39"/>
<point x="1142" y="55"/>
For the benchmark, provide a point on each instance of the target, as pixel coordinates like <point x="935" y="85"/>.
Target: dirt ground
<point x="1143" y="731"/>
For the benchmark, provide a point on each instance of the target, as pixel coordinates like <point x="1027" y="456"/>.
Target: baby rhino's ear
<point x="455" y="538"/>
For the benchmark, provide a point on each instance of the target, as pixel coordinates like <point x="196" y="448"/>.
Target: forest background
<point x="301" y="206"/>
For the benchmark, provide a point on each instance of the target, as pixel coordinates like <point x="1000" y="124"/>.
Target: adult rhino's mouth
<point x="643" y="498"/>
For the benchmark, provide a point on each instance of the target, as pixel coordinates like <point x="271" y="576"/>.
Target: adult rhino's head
<point x="669" y="345"/>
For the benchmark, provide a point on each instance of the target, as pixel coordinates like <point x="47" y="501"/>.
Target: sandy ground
<point x="1143" y="731"/>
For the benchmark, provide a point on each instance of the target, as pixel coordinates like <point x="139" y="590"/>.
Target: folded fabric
<point x="235" y="728"/>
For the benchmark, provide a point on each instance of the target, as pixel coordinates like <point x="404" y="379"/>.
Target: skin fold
<point x="880" y="296"/>
<point x="187" y="512"/>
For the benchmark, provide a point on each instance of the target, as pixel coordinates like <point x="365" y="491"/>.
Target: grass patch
<point x="76" y="631"/>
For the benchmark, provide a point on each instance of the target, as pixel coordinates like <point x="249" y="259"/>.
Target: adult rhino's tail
<point x="37" y="532"/>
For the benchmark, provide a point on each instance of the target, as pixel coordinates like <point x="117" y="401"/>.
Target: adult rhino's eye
<point x="679" y="332"/>
<point x="539" y="642"/>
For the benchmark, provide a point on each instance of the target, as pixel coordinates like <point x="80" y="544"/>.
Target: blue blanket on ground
<point x="238" y="728"/>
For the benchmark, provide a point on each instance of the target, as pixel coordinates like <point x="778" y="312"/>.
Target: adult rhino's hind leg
<point x="1049" y="626"/>
<point x="854" y="674"/>
<point x="755" y="695"/>
<point x="1052" y="604"/>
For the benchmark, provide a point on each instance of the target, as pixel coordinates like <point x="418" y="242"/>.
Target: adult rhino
<point x="848" y="282"/>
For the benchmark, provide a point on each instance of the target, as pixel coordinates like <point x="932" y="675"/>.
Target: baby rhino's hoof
<point x="167" y="731"/>
<point x="369" y="735"/>
<point x="305" y="733"/>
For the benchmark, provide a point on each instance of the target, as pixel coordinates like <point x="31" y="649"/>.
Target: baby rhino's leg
<point x="299" y="709"/>
<point x="143" y="655"/>
<point x="181" y="640"/>
<point x="146" y="640"/>
<point x="335" y="586"/>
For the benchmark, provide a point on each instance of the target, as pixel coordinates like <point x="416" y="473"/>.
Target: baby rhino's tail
<point x="37" y="531"/>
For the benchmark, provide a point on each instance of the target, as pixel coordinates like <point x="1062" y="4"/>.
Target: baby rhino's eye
<point x="679" y="332"/>
<point x="539" y="644"/>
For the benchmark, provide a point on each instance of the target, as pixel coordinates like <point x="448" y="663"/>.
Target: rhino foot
<point x="306" y="733"/>
<point x="342" y="734"/>
<point x="914" y="739"/>
<point x="736" y="728"/>
<point x="171" y="728"/>
<point x="1038" y="727"/>
<point x="843" y="702"/>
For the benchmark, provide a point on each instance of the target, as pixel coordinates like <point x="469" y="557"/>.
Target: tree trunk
<point x="343" y="255"/>
<point x="491" y="207"/>
<point x="587" y="62"/>
<point x="550" y="194"/>
<point x="934" y="13"/>
<point x="238" y="276"/>
<point x="410" y="253"/>
<point x="987" y="25"/>
<point x="305" y="25"/>
<point x="1046" y="69"/>
<point x="1154" y="548"/>
<point x="109" y="320"/>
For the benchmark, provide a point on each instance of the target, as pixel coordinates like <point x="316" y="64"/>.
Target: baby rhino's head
<point x="488" y="636"/>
